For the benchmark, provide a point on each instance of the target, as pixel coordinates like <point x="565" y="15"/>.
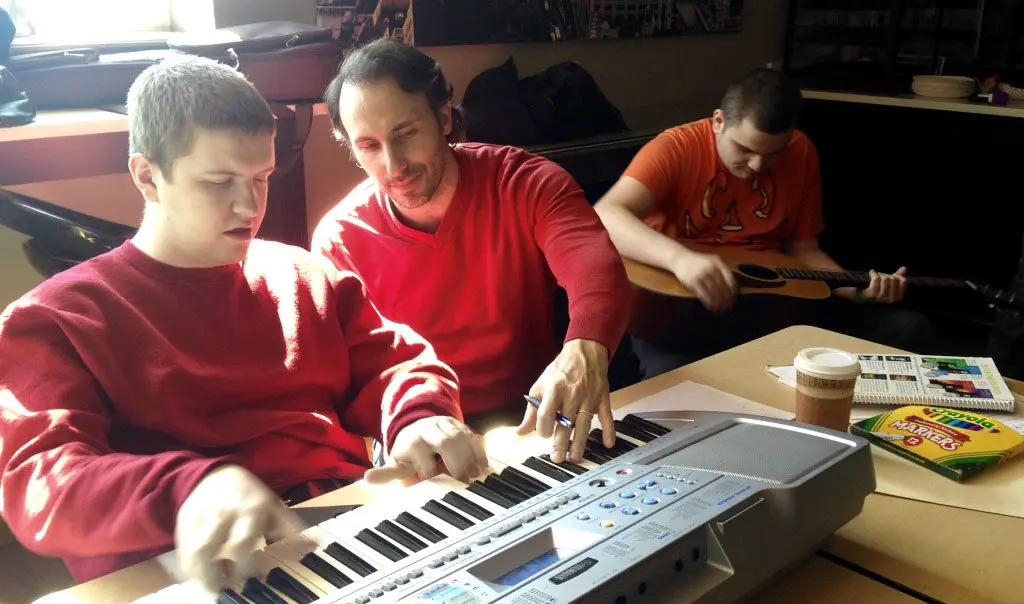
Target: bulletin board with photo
<point x="458" y="22"/>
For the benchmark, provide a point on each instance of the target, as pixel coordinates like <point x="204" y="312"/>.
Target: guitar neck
<point x="860" y="279"/>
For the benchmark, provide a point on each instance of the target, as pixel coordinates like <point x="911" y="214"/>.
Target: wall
<point x="199" y="15"/>
<point x="330" y="171"/>
<point x="238" y="12"/>
<point x="655" y="82"/>
<point x="18" y="275"/>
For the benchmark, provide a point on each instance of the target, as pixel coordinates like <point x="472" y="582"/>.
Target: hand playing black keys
<point x="575" y="384"/>
<point x="221" y="523"/>
<point x="414" y="450"/>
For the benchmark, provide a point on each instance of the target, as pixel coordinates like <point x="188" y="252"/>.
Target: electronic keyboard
<point x="704" y="506"/>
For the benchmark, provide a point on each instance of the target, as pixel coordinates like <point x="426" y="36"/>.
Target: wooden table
<point x="816" y="580"/>
<point x="885" y="539"/>
<point x="965" y="556"/>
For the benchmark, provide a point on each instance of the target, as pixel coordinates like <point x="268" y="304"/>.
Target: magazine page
<point x="961" y="377"/>
<point x="889" y="374"/>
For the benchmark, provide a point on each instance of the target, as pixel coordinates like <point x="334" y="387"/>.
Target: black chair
<point x="59" y="238"/>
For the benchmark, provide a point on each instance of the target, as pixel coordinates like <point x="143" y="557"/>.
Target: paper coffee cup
<point x="825" y="381"/>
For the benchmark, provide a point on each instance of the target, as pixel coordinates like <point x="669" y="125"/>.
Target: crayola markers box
<point x="955" y="443"/>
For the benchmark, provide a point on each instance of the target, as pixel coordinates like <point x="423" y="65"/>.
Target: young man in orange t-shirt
<point x="744" y="177"/>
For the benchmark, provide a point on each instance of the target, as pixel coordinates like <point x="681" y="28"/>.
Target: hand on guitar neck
<point x="881" y="287"/>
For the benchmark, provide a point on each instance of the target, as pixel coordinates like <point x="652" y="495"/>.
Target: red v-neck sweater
<point x="481" y="289"/>
<point x="123" y="381"/>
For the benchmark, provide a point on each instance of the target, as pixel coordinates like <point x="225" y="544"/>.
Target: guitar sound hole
<point x="758" y="272"/>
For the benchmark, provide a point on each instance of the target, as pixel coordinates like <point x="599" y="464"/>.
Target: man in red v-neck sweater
<point x="467" y="243"/>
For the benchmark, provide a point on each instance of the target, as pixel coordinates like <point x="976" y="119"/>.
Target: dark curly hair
<point x="413" y="71"/>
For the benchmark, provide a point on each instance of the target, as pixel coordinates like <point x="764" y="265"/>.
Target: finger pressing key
<point x="584" y="419"/>
<point x="560" y="443"/>
<point x="242" y="540"/>
<point x="389" y="472"/>
<point x="461" y="451"/>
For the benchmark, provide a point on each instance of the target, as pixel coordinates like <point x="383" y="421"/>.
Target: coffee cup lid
<point x="827" y="363"/>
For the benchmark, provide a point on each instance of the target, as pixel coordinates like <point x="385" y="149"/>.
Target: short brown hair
<point x="766" y="97"/>
<point x="171" y="100"/>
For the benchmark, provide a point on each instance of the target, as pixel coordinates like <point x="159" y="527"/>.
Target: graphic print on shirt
<point x="728" y="204"/>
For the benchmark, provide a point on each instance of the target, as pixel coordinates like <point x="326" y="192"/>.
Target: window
<point x="70" y="22"/>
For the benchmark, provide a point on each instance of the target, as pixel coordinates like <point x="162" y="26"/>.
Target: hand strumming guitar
<point x="707" y="276"/>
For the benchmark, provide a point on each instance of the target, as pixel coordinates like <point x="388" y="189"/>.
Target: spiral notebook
<point x="940" y="381"/>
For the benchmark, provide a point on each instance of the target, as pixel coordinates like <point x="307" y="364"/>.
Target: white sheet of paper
<point x="691" y="396"/>
<point x="785" y="373"/>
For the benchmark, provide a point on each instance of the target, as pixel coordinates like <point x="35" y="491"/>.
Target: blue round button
<point x="642" y="486"/>
<point x="627" y="494"/>
<point x="669" y="491"/>
<point x="607" y="505"/>
<point x="630" y="511"/>
<point x="650" y="500"/>
<point x="651" y="483"/>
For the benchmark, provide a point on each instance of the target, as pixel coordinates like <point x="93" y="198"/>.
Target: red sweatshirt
<point x="481" y="289"/>
<point x="124" y="380"/>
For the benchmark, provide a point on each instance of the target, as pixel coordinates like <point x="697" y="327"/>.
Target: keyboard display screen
<point x="529" y="569"/>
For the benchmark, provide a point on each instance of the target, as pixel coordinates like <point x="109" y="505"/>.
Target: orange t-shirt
<point x="700" y="200"/>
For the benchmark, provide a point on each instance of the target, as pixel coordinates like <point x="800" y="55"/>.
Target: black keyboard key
<point x="529" y="489"/>
<point x="380" y="545"/>
<point x="465" y="505"/>
<point x="451" y="517"/>
<point x="345" y="556"/>
<point x="566" y="465"/>
<point x="646" y="425"/>
<point x="523" y="481"/>
<point x="325" y="570"/>
<point x="260" y="593"/>
<point x="421" y="528"/>
<point x="507" y="490"/>
<point x="631" y="431"/>
<point x="595" y="457"/>
<point x="230" y="596"/>
<point x="290" y="586"/>
<point x="548" y="469"/>
<point x="400" y="536"/>
<point x="478" y="488"/>
<point x="596" y="445"/>
<point x="622" y="446"/>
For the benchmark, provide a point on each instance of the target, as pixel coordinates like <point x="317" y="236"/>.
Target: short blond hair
<point x="169" y="101"/>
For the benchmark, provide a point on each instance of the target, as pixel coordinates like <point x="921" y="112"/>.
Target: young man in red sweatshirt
<point x="466" y="243"/>
<point x="174" y="390"/>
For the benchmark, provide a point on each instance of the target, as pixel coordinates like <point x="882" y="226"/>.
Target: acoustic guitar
<point x="767" y="272"/>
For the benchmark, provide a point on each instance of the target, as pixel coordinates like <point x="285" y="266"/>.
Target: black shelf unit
<point x="879" y="45"/>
